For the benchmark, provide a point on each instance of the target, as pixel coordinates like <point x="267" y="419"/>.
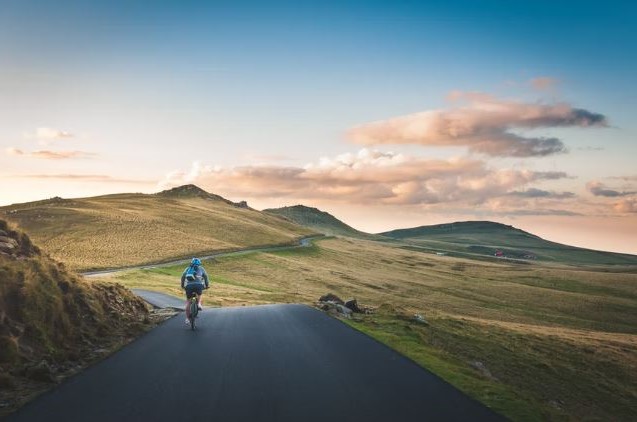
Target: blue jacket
<point x="201" y="277"/>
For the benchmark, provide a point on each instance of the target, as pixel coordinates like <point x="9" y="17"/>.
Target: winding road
<point x="259" y="363"/>
<point x="266" y="363"/>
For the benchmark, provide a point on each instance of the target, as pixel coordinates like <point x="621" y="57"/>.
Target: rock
<point x="420" y="319"/>
<point x="241" y="204"/>
<point x="353" y="305"/>
<point x="330" y="297"/>
<point x="482" y="368"/>
<point x="6" y="247"/>
<point x="6" y="381"/>
<point x="342" y="309"/>
<point x="335" y="309"/>
<point x="3" y="233"/>
<point x="40" y="372"/>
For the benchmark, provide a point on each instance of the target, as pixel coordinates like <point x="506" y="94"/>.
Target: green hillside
<point x="484" y="238"/>
<point x="133" y="228"/>
<point x="317" y="220"/>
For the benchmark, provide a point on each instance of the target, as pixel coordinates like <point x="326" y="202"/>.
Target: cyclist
<point x="193" y="280"/>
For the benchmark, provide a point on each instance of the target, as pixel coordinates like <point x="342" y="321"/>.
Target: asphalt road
<point x="261" y="363"/>
<point x="161" y="300"/>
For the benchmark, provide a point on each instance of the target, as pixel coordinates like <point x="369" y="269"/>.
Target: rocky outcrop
<point x="334" y="305"/>
<point x="15" y="244"/>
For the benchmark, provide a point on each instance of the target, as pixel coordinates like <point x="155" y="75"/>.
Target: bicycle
<point x="192" y="310"/>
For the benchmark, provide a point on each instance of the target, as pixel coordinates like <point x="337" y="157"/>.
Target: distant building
<point x="499" y="253"/>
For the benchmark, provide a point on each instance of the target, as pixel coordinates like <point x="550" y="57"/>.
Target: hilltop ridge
<point x="194" y="191"/>
<point x="316" y="219"/>
<point x="488" y="238"/>
<point x="458" y="226"/>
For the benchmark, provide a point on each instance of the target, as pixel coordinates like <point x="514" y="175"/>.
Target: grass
<point x="130" y="229"/>
<point x="531" y="341"/>
<point x="49" y="314"/>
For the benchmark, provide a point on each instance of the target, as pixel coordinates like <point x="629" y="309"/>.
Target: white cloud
<point x="484" y="124"/>
<point x="367" y="177"/>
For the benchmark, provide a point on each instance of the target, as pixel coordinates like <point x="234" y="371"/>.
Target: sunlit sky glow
<point x="387" y="114"/>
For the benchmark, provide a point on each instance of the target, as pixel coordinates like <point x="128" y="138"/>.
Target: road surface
<point x="161" y="300"/>
<point x="261" y="363"/>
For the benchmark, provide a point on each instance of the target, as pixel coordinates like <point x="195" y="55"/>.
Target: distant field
<point x="530" y="341"/>
<point x="129" y="229"/>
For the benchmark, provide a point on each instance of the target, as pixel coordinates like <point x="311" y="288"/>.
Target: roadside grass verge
<point x="532" y="342"/>
<point x="410" y="339"/>
<point x="525" y="376"/>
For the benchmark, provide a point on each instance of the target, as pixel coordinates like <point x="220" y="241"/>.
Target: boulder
<point x="330" y="297"/>
<point x="6" y="247"/>
<point x="353" y="305"/>
<point x="40" y="372"/>
<point x="7" y="239"/>
<point x="420" y="319"/>
<point x="342" y="309"/>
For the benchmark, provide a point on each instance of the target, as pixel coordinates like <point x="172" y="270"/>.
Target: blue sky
<point x="147" y="88"/>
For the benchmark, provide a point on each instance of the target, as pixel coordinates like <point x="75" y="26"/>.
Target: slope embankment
<point x="52" y="323"/>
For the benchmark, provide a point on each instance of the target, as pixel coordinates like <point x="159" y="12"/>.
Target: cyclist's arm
<point x="204" y="275"/>
<point x="183" y="278"/>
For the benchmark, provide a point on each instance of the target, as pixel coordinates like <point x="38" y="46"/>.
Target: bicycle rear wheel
<point x="193" y="313"/>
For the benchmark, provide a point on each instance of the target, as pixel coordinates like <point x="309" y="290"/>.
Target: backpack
<point x="191" y="273"/>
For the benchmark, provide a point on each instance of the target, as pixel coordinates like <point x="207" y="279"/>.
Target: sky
<point x="386" y="114"/>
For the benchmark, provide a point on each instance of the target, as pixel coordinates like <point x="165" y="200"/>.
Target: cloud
<point x="625" y="178"/>
<point x="84" y="178"/>
<point x="50" y="133"/>
<point x="50" y="155"/>
<point x="484" y="124"/>
<point x="539" y="193"/>
<point x="591" y="148"/>
<point x="599" y="189"/>
<point x="367" y="177"/>
<point x="537" y="212"/>
<point x="544" y="83"/>
<point x="627" y="205"/>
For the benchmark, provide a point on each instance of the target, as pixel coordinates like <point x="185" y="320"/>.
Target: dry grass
<point x="52" y="321"/>
<point x="129" y="229"/>
<point x="530" y="341"/>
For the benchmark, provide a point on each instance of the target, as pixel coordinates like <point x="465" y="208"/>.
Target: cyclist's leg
<point x="199" y="296"/>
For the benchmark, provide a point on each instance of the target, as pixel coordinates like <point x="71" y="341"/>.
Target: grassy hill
<point x="317" y="220"/>
<point x="484" y="238"/>
<point x="133" y="228"/>
<point x="51" y="321"/>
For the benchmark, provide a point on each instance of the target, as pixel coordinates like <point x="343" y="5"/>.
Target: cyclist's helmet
<point x="195" y="261"/>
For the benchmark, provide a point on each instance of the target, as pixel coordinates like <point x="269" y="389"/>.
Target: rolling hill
<point x="484" y="238"/>
<point x="317" y="220"/>
<point x="130" y="229"/>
